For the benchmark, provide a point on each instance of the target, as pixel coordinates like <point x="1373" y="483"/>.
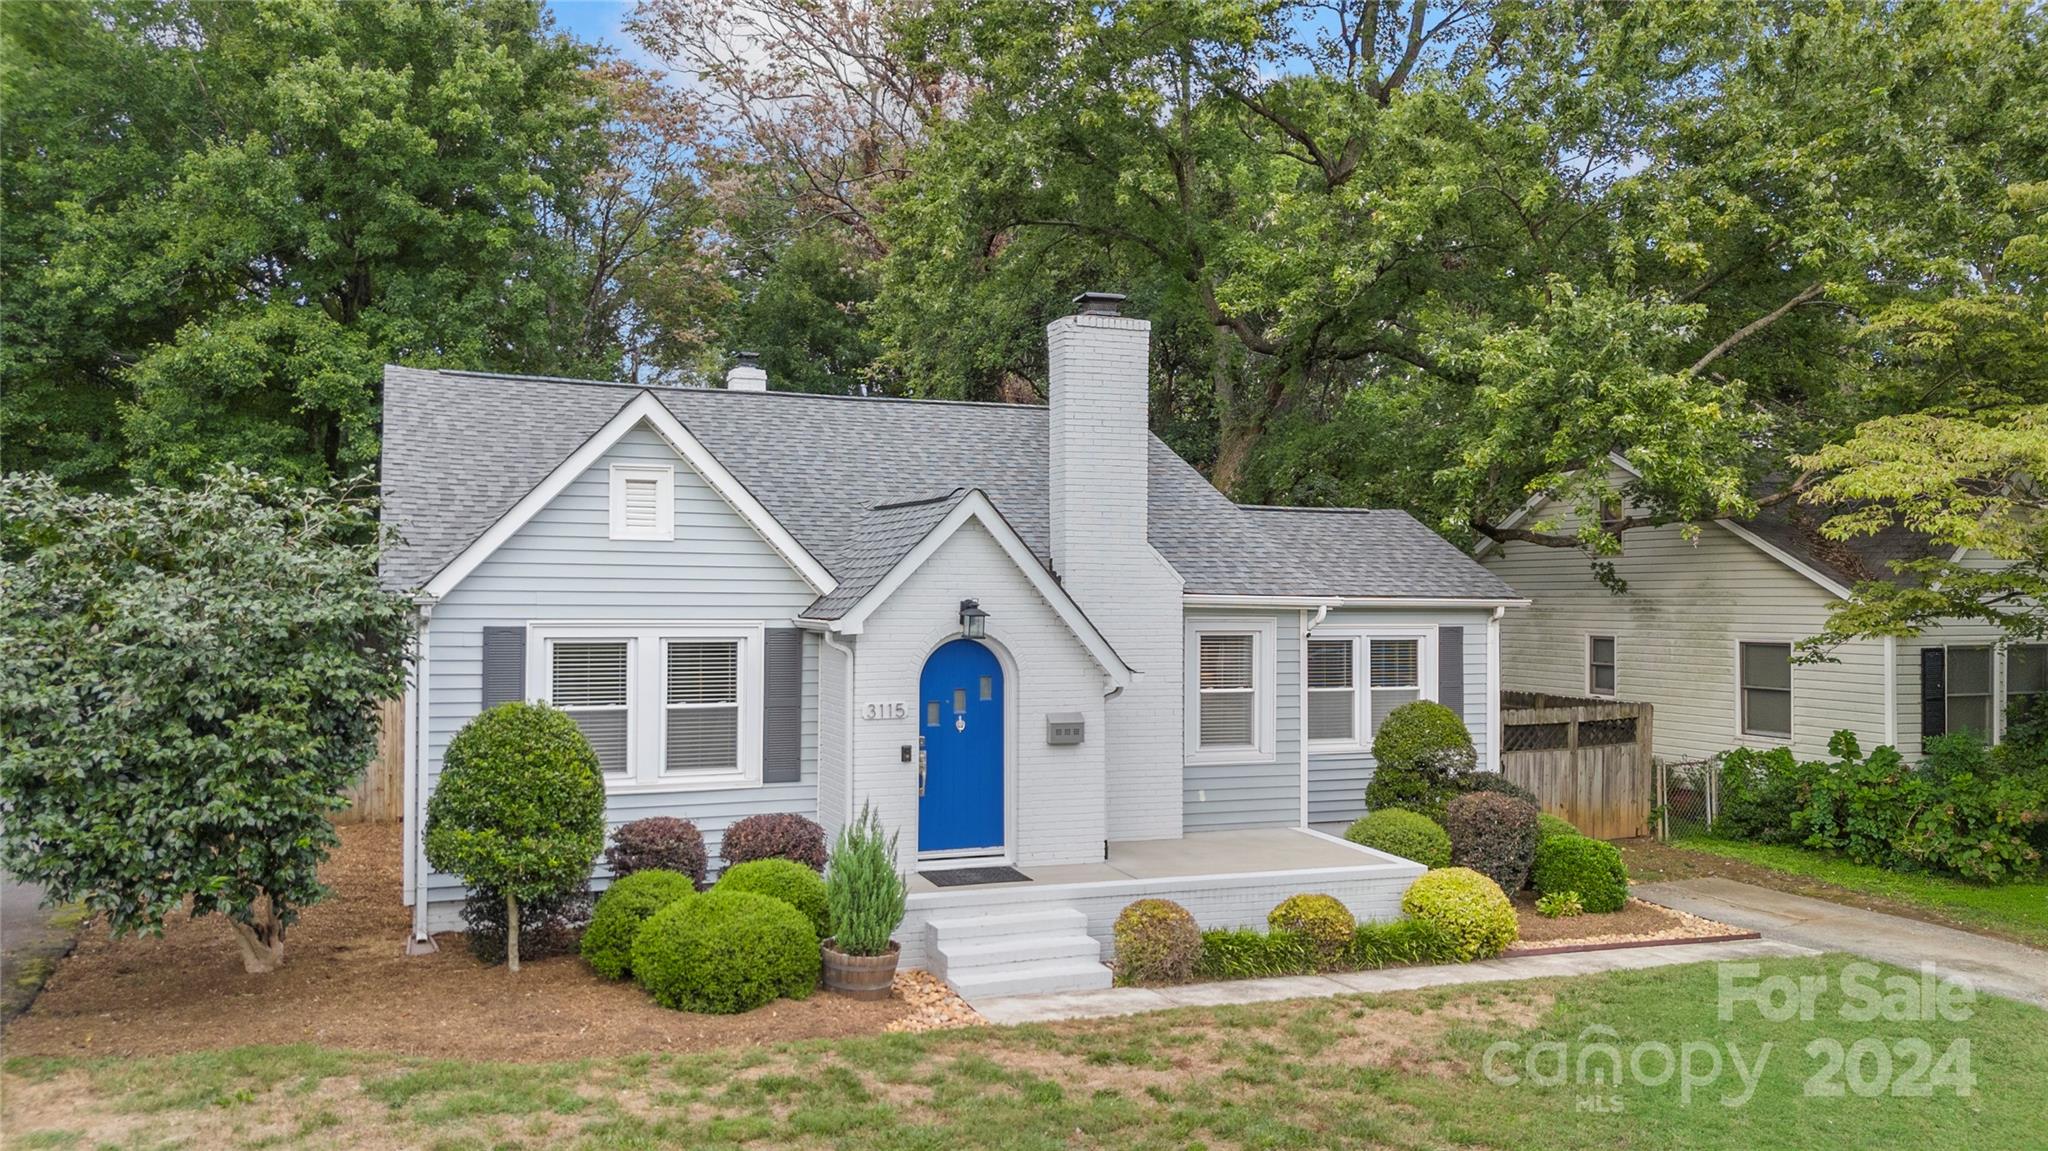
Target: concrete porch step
<point x="1009" y="951"/>
<point x="953" y="929"/>
<point x="1030" y="979"/>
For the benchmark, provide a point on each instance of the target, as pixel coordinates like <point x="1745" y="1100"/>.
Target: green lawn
<point x="1401" y="1071"/>
<point x="2016" y="909"/>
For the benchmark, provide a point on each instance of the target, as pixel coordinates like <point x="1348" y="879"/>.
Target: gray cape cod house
<point x="1031" y="637"/>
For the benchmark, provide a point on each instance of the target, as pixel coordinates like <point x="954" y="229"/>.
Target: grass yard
<point x="1403" y="1071"/>
<point x="2014" y="911"/>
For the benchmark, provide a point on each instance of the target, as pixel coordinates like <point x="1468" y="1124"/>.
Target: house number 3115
<point x="886" y="709"/>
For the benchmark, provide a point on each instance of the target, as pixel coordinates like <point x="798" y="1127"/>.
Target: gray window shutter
<point x="1933" y="692"/>
<point x="504" y="675"/>
<point x="1450" y="668"/>
<point x="782" y="706"/>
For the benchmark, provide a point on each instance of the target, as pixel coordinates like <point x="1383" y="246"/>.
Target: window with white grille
<point x="591" y="681"/>
<point x="1333" y="690"/>
<point x="643" y="502"/>
<point x="667" y="706"/>
<point x="703" y="707"/>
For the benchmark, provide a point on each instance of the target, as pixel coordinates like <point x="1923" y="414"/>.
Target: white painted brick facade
<point x="1054" y="799"/>
<point x="1099" y="499"/>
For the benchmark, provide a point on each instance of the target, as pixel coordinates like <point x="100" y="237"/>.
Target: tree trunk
<point x="261" y="941"/>
<point x="512" y="933"/>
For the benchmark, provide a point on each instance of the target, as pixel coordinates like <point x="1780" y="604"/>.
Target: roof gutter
<point x="1203" y="599"/>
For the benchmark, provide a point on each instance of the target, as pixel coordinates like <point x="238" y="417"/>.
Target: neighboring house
<point x="1706" y="631"/>
<point x="1031" y="637"/>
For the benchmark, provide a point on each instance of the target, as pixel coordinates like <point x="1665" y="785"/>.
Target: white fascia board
<point x="643" y="406"/>
<point x="1827" y="583"/>
<point x="976" y="506"/>
<point x="1205" y="599"/>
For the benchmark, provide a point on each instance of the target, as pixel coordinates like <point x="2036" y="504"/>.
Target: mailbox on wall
<point x="1065" y="728"/>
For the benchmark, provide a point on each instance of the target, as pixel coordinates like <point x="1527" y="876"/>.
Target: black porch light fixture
<point x="973" y="620"/>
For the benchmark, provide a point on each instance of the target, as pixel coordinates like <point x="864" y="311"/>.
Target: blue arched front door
<point x="960" y="717"/>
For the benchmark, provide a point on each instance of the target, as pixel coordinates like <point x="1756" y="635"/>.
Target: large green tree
<point x="222" y="218"/>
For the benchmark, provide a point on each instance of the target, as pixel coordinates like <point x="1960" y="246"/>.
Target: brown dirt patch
<point x="1634" y="922"/>
<point x="347" y="983"/>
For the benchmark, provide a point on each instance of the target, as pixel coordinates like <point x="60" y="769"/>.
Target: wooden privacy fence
<point x="1587" y="760"/>
<point x="380" y="793"/>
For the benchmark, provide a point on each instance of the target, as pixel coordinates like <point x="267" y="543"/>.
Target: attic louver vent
<point x="643" y="505"/>
<point x="643" y="499"/>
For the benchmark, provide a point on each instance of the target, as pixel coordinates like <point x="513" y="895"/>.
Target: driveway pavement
<point x="1991" y="965"/>
<point x="32" y="939"/>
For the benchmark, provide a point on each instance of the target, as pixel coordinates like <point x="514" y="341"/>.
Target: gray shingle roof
<point x="1795" y="528"/>
<point x="884" y="536"/>
<point x="461" y="448"/>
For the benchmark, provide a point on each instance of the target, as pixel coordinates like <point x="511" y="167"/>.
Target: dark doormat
<point x="971" y="876"/>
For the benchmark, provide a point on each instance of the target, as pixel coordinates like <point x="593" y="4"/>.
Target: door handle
<point x="920" y="767"/>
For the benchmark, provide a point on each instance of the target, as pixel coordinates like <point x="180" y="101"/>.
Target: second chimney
<point x="747" y="376"/>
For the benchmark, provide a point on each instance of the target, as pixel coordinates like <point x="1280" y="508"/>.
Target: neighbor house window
<point x="1968" y="701"/>
<point x="664" y="706"/>
<point x="2026" y="680"/>
<point x="643" y="502"/>
<point x="1333" y="690"/>
<point x="1230" y="697"/>
<point x="1600" y="664"/>
<point x="1395" y="676"/>
<point x="1767" y="689"/>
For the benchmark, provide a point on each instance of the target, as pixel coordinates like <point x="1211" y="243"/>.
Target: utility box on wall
<point x="1065" y="728"/>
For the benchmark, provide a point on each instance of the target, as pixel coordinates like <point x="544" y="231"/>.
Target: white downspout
<point x="1307" y="625"/>
<point x="852" y="720"/>
<point x="1493" y="687"/>
<point x="1891" y="691"/>
<point x="422" y="941"/>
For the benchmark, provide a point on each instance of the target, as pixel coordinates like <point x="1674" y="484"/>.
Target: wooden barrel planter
<point x="861" y="976"/>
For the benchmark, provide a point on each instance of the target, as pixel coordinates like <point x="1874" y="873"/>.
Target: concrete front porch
<point x="1216" y="853"/>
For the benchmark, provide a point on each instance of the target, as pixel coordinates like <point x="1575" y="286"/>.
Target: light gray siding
<point x="1216" y="797"/>
<point x="562" y="566"/>
<point x="1336" y="780"/>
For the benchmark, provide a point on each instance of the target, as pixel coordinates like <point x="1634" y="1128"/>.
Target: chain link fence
<point x="1688" y="797"/>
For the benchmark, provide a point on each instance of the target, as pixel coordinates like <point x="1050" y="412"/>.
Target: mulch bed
<point x="347" y="983"/>
<point x="1638" y="922"/>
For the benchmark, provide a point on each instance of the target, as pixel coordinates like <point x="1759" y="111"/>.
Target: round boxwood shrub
<point x="519" y="808"/>
<point x="1422" y="755"/>
<point x="1470" y="909"/>
<point x="1323" y="920"/>
<point x="1157" y="941"/>
<point x="624" y="906"/>
<point x="657" y="843"/>
<point x="1493" y="834"/>
<point x="776" y="836"/>
<point x="1408" y="834"/>
<point x="724" y="952"/>
<point x="1548" y="825"/>
<point x="1591" y="867"/>
<point x="787" y="880"/>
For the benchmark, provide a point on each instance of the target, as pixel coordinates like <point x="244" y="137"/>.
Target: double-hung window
<point x="1766" y="689"/>
<point x="2026" y="680"/>
<point x="1968" y="702"/>
<point x="1230" y="712"/>
<point x="1395" y="669"/>
<point x="1600" y="665"/>
<point x="665" y="706"/>
<point x="1355" y="679"/>
<point x="1333" y="690"/>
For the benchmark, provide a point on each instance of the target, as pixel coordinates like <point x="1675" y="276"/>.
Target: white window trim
<point x="1995" y="704"/>
<point x="1264" y="632"/>
<point x="1615" y="691"/>
<point x="2001" y="700"/>
<point x="647" y="709"/>
<point x="1361" y="678"/>
<point x="664" y="477"/>
<point x="1792" y="707"/>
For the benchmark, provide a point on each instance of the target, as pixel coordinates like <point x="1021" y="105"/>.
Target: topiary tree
<point x="786" y="880"/>
<point x="189" y="685"/>
<point x="621" y="910"/>
<point x="781" y="835"/>
<point x="726" y="952"/>
<point x="1590" y="867"/>
<point x="548" y="927"/>
<point x="519" y="808"/>
<point x="1157" y="941"/>
<point x="1408" y="834"/>
<point x="1494" y="835"/>
<point x="1323" y="920"/>
<point x="657" y="843"/>
<point x="1422" y="756"/>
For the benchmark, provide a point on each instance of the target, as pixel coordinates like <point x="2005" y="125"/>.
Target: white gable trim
<point x="976" y="506"/>
<point x="642" y="407"/>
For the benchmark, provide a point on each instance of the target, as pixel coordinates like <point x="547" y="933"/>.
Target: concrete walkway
<point x="32" y="939"/>
<point x="1991" y="965"/>
<point x="1132" y="1000"/>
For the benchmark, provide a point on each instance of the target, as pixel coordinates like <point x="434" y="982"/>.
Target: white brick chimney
<point x="1100" y="391"/>
<point x="747" y="375"/>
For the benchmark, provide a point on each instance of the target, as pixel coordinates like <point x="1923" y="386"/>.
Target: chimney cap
<point x="750" y="359"/>
<point x="1099" y="303"/>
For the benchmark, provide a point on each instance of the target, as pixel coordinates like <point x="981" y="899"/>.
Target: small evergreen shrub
<point x="1548" y="825"/>
<point x="1499" y="784"/>
<point x="1157" y="941"/>
<point x="1590" y="867"/>
<point x="1400" y="943"/>
<point x="1762" y="795"/>
<point x="863" y="890"/>
<point x="1560" y="905"/>
<point x="786" y="880"/>
<point x="621" y="910"/>
<point x="778" y="836"/>
<point x="1244" y="953"/>
<point x="1470" y="909"/>
<point x="548" y="927"/>
<point x="724" y="952"/>
<point x="1323" y="920"/>
<point x="1494" y="835"/>
<point x="1422" y="756"/>
<point x="658" y="843"/>
<point x="1408" y="834"/>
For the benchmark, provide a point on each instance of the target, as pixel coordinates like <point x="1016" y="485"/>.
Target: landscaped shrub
<point x="1946" y="817"/>
<point x="1244" y="953"/>
<point x="519" y="808"/>
<point x="1762" y="795"/>
<point x="1408" y="834"/>
<point x="863" y="890"/>
<point x="777" y="836"/>
<point x="548" y="927"/>
<point x="1422" y="756"/>
<point x="1157" y="941"/>
<point x="1560" y="905"/>
<point x="621" y="910"/>
<point x="1494" y="835"/>
<point x="1548" y="825"/>
<point x="657" y="843"/>
<point x="1400" y="943"/>
<point x="1499" y="784"/>
<point x="1247" y="954"/>
<point x="1590" y="867"/>
<point x="725" y="952"/>
<point x="1323" y="920"/>
<point x="1472" y="911"/>
<point x="783" y="879"/>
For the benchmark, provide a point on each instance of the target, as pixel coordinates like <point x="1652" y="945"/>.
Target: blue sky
<point x="599" y="22"/>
